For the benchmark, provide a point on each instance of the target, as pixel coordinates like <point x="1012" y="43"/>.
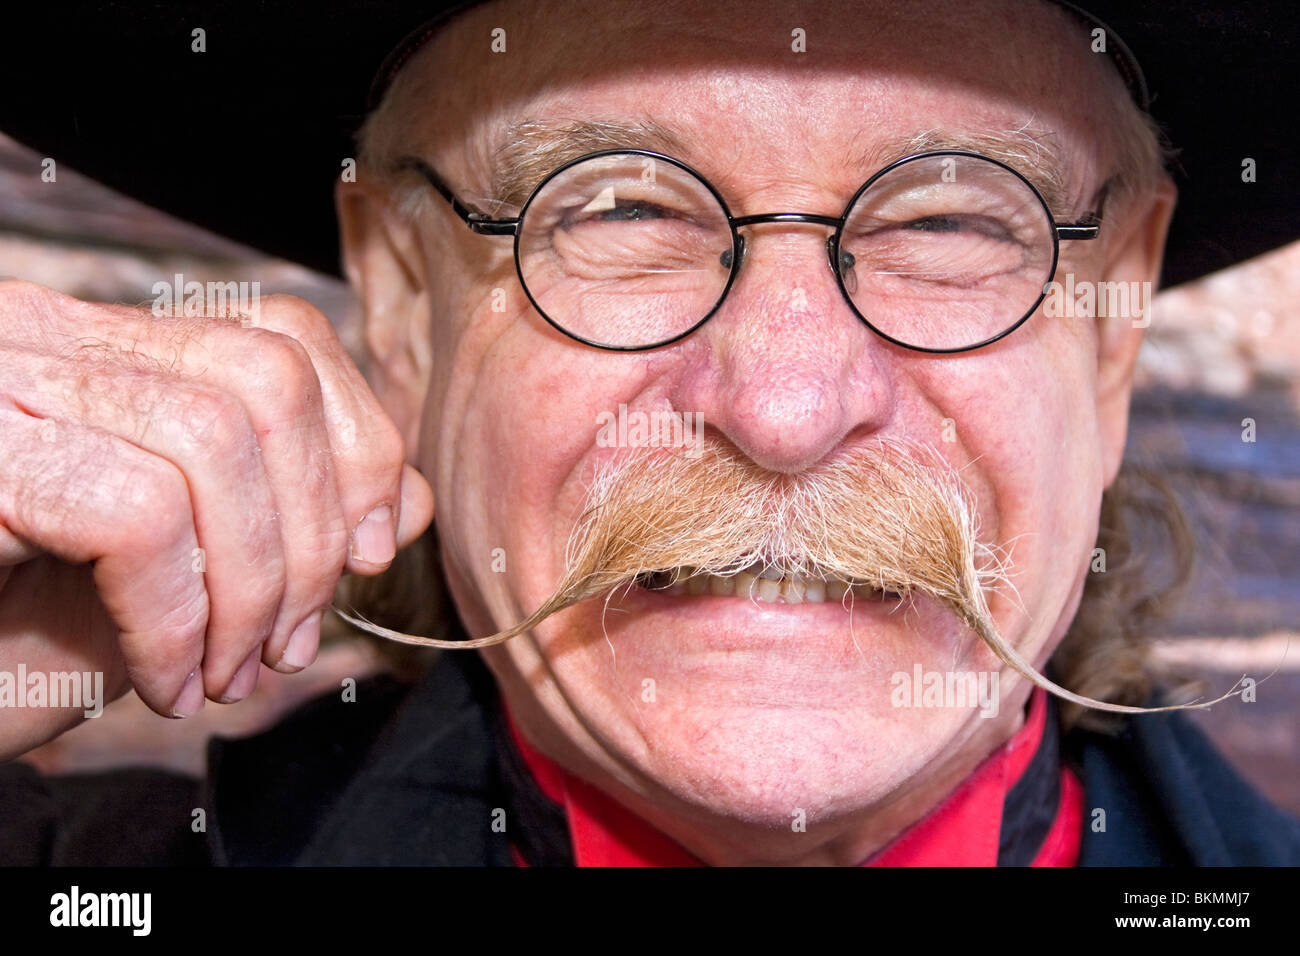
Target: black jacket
<point x="412" y="775"/>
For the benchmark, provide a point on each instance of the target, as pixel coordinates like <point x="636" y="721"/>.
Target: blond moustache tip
<point x="419" y="639"/>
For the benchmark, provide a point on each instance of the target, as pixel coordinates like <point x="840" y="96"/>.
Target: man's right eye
<point x="935" y="224"/>
<point x="622" y="212"/>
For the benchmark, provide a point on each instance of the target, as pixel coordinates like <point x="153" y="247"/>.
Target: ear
<point x="1134" y="255"/>
<point x="382" y="260"/>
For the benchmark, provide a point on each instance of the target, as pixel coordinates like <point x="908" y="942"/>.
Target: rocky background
<point x="1219" y="352"/>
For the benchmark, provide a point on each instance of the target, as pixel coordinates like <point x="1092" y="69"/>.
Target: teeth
<point x="743" y="584"/>
<point x="793" y="591"/>
<point x="766" y="586"/>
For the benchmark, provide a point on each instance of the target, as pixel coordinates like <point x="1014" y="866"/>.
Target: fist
<point x="179" y="496"/>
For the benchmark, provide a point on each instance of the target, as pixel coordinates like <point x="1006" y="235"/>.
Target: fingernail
<point x="303" y="643"/>
<point x="190" y="700"/>
<point x="375" y="539"/>
<point x="245" y="679"/>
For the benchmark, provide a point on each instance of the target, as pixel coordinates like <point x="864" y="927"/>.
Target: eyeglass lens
<point x="940" y="252"/>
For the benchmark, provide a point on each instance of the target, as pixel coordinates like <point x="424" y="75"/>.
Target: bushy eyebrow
<point x="1033" y="154"/>
<point x="532" y="149"/>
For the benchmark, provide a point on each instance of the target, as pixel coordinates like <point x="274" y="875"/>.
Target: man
<point x="821" y="247"/>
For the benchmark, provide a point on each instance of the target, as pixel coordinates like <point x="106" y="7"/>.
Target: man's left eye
<point x="936" y="224"/>
<point x="634" y="212"/>
<point x="988" y="227"/>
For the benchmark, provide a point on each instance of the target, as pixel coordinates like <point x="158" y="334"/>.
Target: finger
<point x="94" y="497"/>
<point x="417" y="506"/>
<point x="15" y="550"/>
<point x="245" y="680"/>
<point x="369" y="452"/>
<point x="273" y="377"/>
<point x="207" y="435"/>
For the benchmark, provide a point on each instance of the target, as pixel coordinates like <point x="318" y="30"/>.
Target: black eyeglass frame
<point x="1087" y="228"/>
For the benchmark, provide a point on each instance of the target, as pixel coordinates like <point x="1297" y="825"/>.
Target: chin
<point x="770" y="766"/>
<point x="763" y="711"/>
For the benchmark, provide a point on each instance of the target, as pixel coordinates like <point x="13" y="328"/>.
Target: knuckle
<point x="107" y="497"/>
<point x="211" y="419"/>
<point x="389" y="449"/>
<point x="35" y="313"/>
<point x="20" y="291"/>
<point x="323" y="565"/>
<point x="335" y="557"/>
<point x="153" y="502"/>
<point x="265" y="592"/>
<point x="293" y="314"/>
<point x="331" y="551"/>
<point x="263" y="574"/>
<point x="280" y="352"/>
<point x="248" y="616"/>
<point x="280" y="365"/>
<point x="180" y="628"/>
<point x="383" y="451"/>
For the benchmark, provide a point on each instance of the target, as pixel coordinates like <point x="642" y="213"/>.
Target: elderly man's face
<point x="720" y="718"/>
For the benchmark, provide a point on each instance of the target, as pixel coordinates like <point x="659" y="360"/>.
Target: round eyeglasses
<point x="629" y="250"/>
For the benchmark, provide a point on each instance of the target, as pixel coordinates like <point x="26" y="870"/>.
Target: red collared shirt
<point x="963" y="830"/>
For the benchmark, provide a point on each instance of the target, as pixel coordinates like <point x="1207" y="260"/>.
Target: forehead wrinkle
<point x="531" y="149"/>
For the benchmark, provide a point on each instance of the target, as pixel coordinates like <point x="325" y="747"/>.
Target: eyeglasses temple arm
<point x="1077" y="230"/>
<point x="476" y="221"/>
<point x="1090" y="225"/>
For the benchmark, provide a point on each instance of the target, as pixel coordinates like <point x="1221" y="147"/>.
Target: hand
<point x="179" y="496"/>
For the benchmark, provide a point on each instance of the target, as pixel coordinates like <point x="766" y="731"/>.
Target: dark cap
<point x="248" y="137"/>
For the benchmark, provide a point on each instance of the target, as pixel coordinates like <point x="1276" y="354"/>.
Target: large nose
<point x="787" y="372"/>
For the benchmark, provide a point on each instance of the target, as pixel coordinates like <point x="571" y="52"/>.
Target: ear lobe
<point x="383" y="263"/>
<point x="1134" y="257"/>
